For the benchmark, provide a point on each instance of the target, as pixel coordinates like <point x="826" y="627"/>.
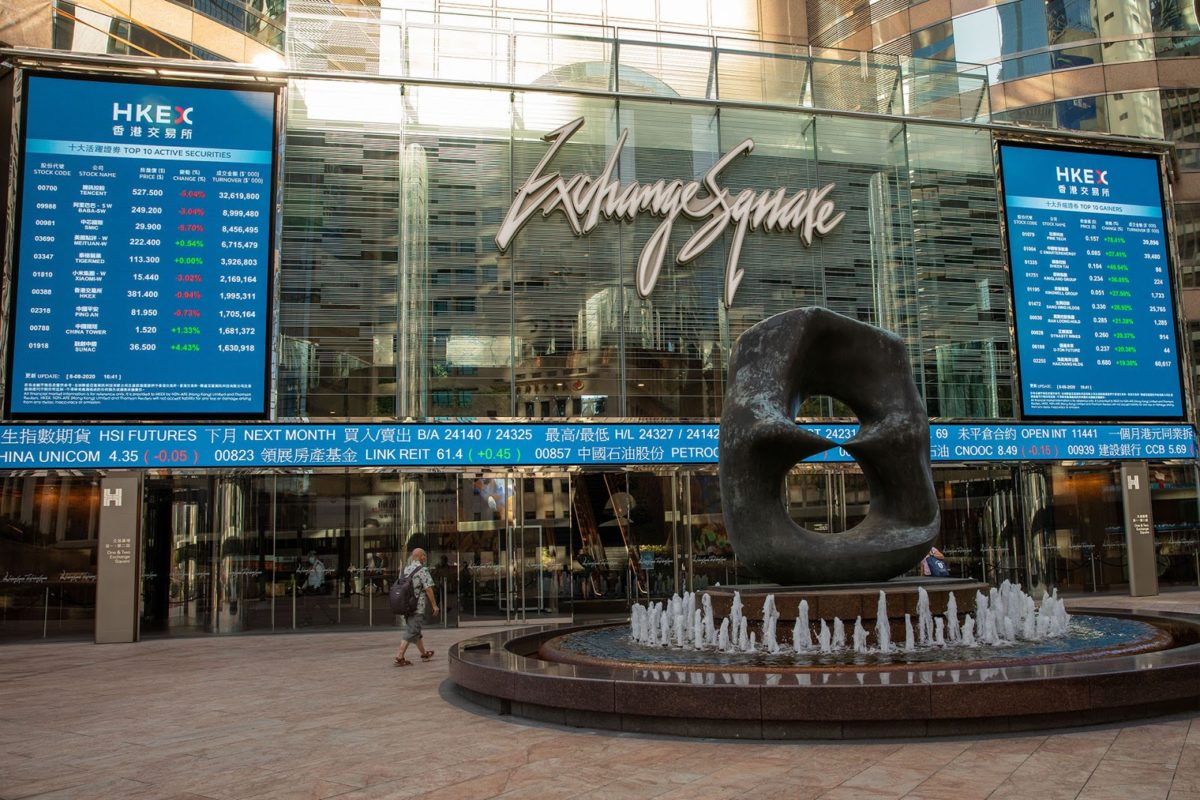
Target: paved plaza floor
<point x="328" y="715"/>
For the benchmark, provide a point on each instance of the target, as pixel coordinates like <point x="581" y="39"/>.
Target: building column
<point x="117" y="558"/>
<point x="1139" y="529"/>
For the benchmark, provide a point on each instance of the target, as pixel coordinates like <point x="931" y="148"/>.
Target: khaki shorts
<point x="412" y="627"/>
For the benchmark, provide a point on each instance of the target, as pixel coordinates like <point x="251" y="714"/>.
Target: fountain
<point x="1015" y="629"/>
<point x="975" y="658"/>
<point x="1020" y="618"/>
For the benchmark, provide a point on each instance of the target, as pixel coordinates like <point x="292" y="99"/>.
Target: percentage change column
<point x="188" y="264"/>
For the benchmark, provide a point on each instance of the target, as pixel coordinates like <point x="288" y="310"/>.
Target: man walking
<point x="423" y="587"/>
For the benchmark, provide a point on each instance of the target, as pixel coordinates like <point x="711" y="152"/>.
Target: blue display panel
<point x="143" y="271"/>
<point x="1092" y="295"/>
<point x="465" y="444"/>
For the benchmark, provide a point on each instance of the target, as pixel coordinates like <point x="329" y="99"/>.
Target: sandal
<point x="403" y="662"/>
<point x="427" y="655"/>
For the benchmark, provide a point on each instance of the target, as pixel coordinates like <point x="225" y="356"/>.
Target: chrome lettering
<point x="584" y="199"/>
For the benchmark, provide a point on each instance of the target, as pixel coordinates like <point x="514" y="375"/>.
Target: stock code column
<point x="1095" y="317"/>
<point x="142" y="283"/>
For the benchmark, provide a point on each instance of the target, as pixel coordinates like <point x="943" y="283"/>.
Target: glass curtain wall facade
<point x="438" y="323"/>
<point x="395" y="304"/>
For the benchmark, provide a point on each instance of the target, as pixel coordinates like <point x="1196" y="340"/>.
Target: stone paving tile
<point x="889" y="780"/>
<point x="1187" y="771"/>
<point x="855" y="793"/>
<point x="1081" y="743"/>
<point x="628" y="789"/>
<point x="1150" y="743"/>
<point x="19" y="789"/>
<point x="327" y="716"/>
<point x="304" y="789"/>
<point x="933" y="754"/>
<point x="1193" y="736"/>
<point x="700" y="789"/>
<point x="951" y="785"/>
<point x="1123" y="793"/>
<point x="1114" y="776"/>
<point x="1057" y="767"/>
<point x="1029" y="789"/>
<point x="481" y="786"/>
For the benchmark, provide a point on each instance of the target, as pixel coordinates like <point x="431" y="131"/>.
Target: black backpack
<point x="403" y="596"/>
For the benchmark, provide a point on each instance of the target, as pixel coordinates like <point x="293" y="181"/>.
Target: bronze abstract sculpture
<point x="776" y="365"/>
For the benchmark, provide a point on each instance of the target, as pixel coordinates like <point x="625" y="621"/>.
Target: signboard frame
<point x="270" y="262"/>
<point x="1170" y="255"/>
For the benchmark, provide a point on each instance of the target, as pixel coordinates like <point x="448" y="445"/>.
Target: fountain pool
<point x="832" y="676"/>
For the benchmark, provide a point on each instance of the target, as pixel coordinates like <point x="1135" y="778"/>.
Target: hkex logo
<point x="154" y="114"/>
<point x="1091" y="177"/>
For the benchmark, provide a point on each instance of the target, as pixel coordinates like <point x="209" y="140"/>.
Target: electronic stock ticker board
<point x="143" y="273"/>
<point x="1095" y="316"/>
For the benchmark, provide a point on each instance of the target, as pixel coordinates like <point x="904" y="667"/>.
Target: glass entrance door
<point x="514" y="532"/>
<point x="706" y="557"/>
<point x="522" y="591"/>
<point x="482" y="525"/>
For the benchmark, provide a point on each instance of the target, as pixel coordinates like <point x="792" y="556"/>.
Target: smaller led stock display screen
<point x="1095" y="315"/>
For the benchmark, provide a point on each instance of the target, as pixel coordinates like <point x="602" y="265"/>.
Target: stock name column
<point x="151" y="294"/>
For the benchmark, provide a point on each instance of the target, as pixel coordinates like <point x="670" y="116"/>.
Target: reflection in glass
<point x="1070" y="21"/>
<point x="1135" y="114"/>
<point x="1024" y="67"/>
<point x="567" y="295"/>
<point x="1041" y="115"/>
<point x="1181" y="115"/>
<point x="673" y="348"/>
<point x="710" y="560"/>
<point x="964" y="364"/>
<point x="1023" y="26"/>
<point x="48" y="530"/>
<point x="1070" y="57"/>
<point x="339" y="282"/>
<point x="981" y="533"/>
<point x="1176" y="524"/>
<point x="1082" y="113"/>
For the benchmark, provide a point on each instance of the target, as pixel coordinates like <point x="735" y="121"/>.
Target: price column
<point x="143" y="295"/>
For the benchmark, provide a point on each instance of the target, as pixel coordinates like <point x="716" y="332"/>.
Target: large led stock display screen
<point x="1094" y="311"/>
<point x="142" y="286"/>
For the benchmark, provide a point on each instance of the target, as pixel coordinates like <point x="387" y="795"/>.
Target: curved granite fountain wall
<point x="503" y="672"/>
